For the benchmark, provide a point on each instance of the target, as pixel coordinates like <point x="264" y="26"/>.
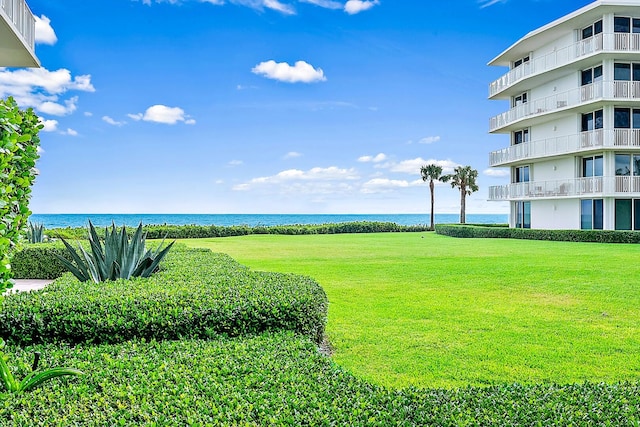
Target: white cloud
<point x="260" y="5"/>
<point x="44" y="31"/>
<point x="496" y="173"/>
<point x="327" y="4"/>
<point x="292" y="155"/>
<point x="49" y="125"/>
<point x="88" y="114"/>
<point x="236" y="163"/>
<point x="111" y="121"/>
<point x="374" y="159"/>
<point x="300" y="72"/>
<point x="429" y="140"/>
<point x="163" y="114"/>
<point x="412" y="166"/>
<point x="384" y="185"/>
<point x="42" y="89"/>
<point x="317" y="180"/>
<point x="356" y="6"/>
<point x="487" y="3"/>
<point x="70" y="132"/>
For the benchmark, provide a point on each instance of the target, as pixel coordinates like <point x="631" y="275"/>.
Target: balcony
<point x="616" y="90"/>
<point x="604" y="42"/>
<point x="598" y="186"/>
<point x="585" y="141"/>
<point x="17" y="35"/>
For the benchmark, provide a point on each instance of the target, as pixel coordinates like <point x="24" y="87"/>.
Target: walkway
<point x="22" y="285"/>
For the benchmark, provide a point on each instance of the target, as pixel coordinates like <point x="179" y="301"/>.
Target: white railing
<point x="604" y="42"/>
<point x="570" y="98"/>
<point x="20" y="15"/>
<point x="597" y="186"/>
<point x="585" y="141"/>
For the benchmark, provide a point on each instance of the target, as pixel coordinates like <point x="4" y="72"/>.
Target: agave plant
<point x="35" y="233"/>
<point x="120" y="258"/>
<point x="32" y="380"/>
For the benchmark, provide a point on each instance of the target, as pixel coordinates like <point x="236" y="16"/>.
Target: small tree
<point x="464" y="178"/>
<point x="430" y="173"/>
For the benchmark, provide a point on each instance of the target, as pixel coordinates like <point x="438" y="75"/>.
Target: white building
<point x="17" y="35"/>
<point x="574" y="121"/>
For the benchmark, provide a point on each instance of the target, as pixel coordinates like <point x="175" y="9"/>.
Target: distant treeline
<point x="203" y="231"/>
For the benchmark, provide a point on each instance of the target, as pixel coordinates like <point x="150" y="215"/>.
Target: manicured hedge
<point x="597" y="236"/>
<point x="204" y="231"/>
<point x="197" y="294"/>
<point x="38" y="261"/>
<point x="279" y="379"/>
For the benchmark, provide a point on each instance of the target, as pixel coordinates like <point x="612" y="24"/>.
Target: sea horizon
<point x="102" y="220"/>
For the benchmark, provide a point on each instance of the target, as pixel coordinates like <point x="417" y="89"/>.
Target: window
<point x="520" y="136"/>
<point x="591" y="30"/>
<point x="519" y="100"/>
<point x="521" y="174"/>
<point x="592" y="166"/>
<point x="591" y="214"/>
<point x="622" y="24"/>
<point x="627" y="214"/>
<point x="626" y="118"/>
<point x="627" y="164"/>
<point x="523" y="214"/>
<point x="593" y="120"/>
<point x="519" y="62"/>
<point x="592" y="75"/>
<point x="626" y="71"/>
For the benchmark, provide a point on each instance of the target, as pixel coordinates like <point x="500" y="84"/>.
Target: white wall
<point x="555" y="214"/>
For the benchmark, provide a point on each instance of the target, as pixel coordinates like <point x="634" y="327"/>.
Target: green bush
<point x="196" y="294"/>
<point x="280" y="379"/>
<point x="38" y="261"/>
<point x="485" y="232"/>
<point x="19" y="143"/>
<point x="207" y="231"/>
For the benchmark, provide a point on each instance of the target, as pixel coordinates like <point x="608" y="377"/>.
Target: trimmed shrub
<point x="196" y="294"/>
<point x="280" y="380"/>
<point x="484" y="232"/>
<point x="38" y="261"/>
<point x="208" y="231"/>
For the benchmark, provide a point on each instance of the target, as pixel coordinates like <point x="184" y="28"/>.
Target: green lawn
<point x="433" y="311"/>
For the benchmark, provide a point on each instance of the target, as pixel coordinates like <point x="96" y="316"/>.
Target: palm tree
<point x="464" y="178"/>
<point x="429" y="173"/>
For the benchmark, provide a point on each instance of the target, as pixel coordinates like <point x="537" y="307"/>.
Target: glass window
<point x="523" y="215"/>
<point x="623" y="164"/>
<point x="521" y="136"/>
<point x="587" y="32"/>
<point x="592" y="166"/>
<point x="598" y="168"/>
<point x="587" y="122"/>
<point x="622" y="24"/>
<point x="636" y="72"/>
<point x="636" y="25"/>
<point x="521" y="174"/>
<point x="623" y="214"/>
<point x="586" y="214"/>
<point x="597" y="27"/>
<point x="636" y="165"/>
<point x="598" y="214"/>
<point x="591" y="75"/>
<point x="591" y="121"/>
<point x="520" y="99"/>
<point x="636" y="214"/>
<point x="622" y="118"/>
<point x="599" y="119"/>
<point x="622" y="71"/>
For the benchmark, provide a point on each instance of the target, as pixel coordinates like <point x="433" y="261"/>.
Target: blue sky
<point x="266" y="106"/>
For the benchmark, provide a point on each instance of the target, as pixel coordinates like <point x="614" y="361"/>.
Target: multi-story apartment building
<point x="17" y="35"/>
<point x="573" y="88"/>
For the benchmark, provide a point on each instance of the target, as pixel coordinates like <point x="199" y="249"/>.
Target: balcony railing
<point x="585" y="141"/>
<point x="598" y="186"/>
<point x="22" y="18"/>
<point x="618" y="90"/>
<point x="604" y="42"/>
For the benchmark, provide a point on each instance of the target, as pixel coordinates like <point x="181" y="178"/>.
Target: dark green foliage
<point x="18" y="154"/>
<point x="39" y="261"/>
<point x="196" y="294"/>
<point x="121" y="256"/>
<point x="204" y="231"/>
<point x="281" y="379"/>
<point x="485" y="232"/>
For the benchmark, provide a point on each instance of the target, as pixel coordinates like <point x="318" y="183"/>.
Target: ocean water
<point x="131" y="220"/>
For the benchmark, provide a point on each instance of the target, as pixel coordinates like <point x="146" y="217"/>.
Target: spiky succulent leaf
<point x="34" y="379"/>
<point x="7" y="377"/>
<point x="79" y="269"/>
